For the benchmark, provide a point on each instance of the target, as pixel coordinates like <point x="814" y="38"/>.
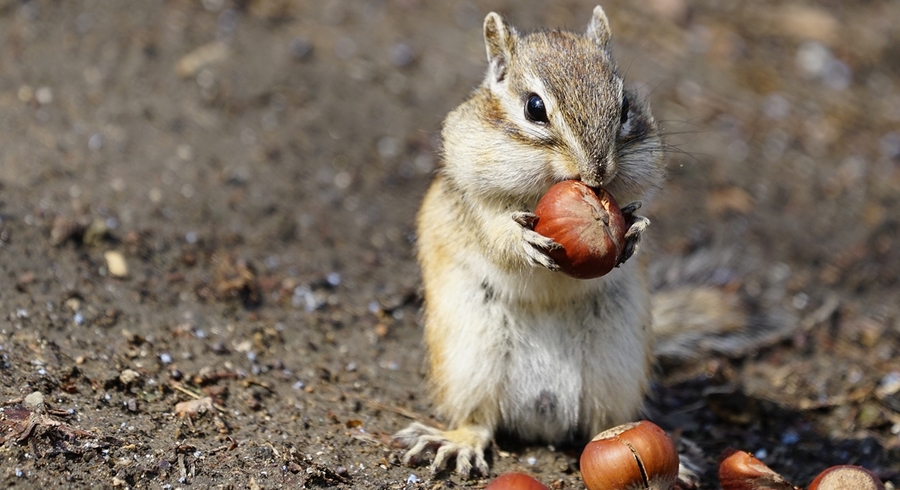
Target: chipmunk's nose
<point x="599" y="171"/>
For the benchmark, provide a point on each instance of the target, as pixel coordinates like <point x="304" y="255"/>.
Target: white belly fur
<point x="539" y="348"/>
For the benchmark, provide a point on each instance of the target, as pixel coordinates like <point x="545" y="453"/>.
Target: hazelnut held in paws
<point x="588" y="225"/>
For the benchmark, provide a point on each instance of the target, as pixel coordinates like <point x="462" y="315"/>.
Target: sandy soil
<point x="255" y="167"/>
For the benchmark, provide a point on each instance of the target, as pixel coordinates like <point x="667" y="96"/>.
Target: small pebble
<point x="401" y="55"/>
<point x="115" y="263"/>
<point x="96" y="141"/>
<point x="128" y="376"/>
<point x="812" y="57"/>
<point x="333" y="279"/>
<point x="25" y="93"/>
<point x="44" y="95"/>
<point x="304" y="297"/>
<point x="34" y="399"/>
<point x="800" y="301"/>
<point x="374" y="306"/>
<point x="790" y="438"/>
<point x="301" y="48"/>
<point x="165" y="358"/>
<point x="888" y="385"/>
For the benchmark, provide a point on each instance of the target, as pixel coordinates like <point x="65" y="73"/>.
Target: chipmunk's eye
<point x="535" y="110"/>
<point x="626" y="106"/>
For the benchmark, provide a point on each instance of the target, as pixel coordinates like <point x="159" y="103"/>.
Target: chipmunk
<point x="514" y="346"/>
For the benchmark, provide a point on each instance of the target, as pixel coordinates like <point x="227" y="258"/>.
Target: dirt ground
<point x="206" y="231"/>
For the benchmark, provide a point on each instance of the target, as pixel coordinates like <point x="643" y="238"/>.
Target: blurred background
<point x="223" y="186"/>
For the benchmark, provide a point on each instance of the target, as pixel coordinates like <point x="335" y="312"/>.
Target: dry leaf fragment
<point x="191" y="408"/>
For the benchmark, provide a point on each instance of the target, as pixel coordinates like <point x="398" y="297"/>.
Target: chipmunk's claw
<point x="537" y="246"/>
<point x="464" y="447"/>
<point x="635" y="231"/>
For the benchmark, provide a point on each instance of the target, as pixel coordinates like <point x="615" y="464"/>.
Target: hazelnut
<point x="635" y="455"/>
<point x="589" y="225"/>
<point x="739" y="470"/>
<point x="515" y="481"/>
<point x="846" y="476"/>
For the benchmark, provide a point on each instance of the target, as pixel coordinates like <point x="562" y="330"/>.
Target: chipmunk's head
<point x="556" y="97"/>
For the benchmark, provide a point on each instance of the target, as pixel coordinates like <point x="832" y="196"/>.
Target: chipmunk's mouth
<point x="593" y="184"/>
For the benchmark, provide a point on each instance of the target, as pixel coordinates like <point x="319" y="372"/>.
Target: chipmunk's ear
<point x="598" y="28"/>
<point x="499" y="40"/>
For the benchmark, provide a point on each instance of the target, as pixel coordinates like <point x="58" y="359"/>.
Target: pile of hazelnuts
<point x="641" y="455"/>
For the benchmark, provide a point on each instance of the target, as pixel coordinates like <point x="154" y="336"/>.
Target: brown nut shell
<point x="739" y="470"/>
<point x="589" y="225"/>
<point x="635" y="455"/>
<point x="846" y="476"/>
<point x="515" y="481"/>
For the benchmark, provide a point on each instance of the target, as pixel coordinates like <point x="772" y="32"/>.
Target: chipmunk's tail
<point x="716" y="303"/>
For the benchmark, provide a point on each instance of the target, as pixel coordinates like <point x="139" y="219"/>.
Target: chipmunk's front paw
<point x="537" y="246"/>
<point x="635" y="230"/>
<point x="464" y="446"/>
